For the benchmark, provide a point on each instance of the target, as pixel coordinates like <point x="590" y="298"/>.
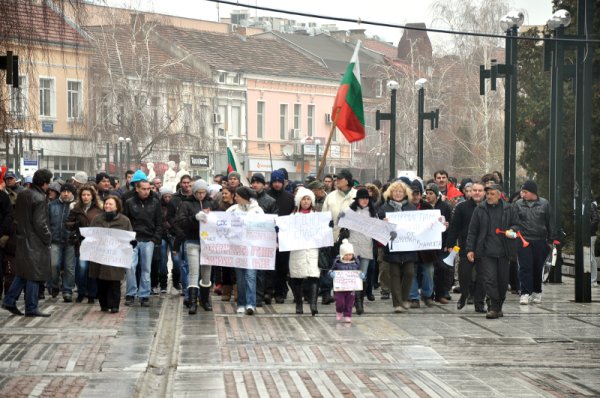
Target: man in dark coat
<point x="32" y="264"/>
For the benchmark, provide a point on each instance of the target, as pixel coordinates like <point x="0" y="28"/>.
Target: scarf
<point x="396" y="205"/>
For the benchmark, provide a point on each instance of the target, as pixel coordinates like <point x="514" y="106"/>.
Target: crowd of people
<point x="40" y="240"/>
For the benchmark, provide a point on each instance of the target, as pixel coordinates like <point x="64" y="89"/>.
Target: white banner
<point x="347" y="281"/>
<point x="304" y="231"/>
<point x="417" y="230"/>
<point x="372" y="227"/>
<point x="239" y="240"/>
<point x="107" y="246"/>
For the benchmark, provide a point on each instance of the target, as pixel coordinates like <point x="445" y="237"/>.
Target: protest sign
<point x="417" y="230"/>
<point x="347" y="281"/>
<point x="368" y="226"/>
<point x="304" y="231"/>
<point x="107" y="246"/>
<point x="240" y="240"/>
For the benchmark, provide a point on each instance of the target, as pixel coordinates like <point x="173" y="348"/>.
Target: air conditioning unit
<point x="217" y="118"/>
<point x="328" y="118"/>
<point x="294" y="134"/>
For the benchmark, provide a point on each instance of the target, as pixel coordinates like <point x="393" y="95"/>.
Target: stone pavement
<point x="547" y="350"/>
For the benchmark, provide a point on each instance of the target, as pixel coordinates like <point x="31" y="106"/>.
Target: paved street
<point x="547" y="350"/>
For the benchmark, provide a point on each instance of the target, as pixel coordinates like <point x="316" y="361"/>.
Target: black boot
<point x="205" y="298"/>
<point x="358" y="303"/>
<point x="327" y="299"/>
<point x="296" y="285"/>
<point x="312" y="297"/>
<point x="193" y="300"/>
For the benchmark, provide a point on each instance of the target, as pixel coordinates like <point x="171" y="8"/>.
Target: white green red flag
<point x="233" y="164"/>
<point x="348" y="110"/>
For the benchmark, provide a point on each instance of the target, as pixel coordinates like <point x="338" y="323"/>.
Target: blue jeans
<point x="86" y="286"/>
<point x="422" y="277"/>
<point x="246" y="282"/>
<point x="32" y="289"/>
<point x="185" y="271"/>
<point x="63" y="257"/>
<point x="144" y="250"/>
<point x="165" y="247"/>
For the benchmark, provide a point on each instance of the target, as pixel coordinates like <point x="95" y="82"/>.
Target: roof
<point x="119" y="49"/>
<point x="254" y="54"/>
<point x="25" y="22"/>
<point x="381" y="47"/>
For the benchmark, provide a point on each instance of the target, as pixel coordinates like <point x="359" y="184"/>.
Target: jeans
<point x="198" y="274"/>
<point x="63" y="257"/>
<point x="183" y="261"/>
<point x="32" y="289"/>
<point x="86" y="286"/>
<point x="144" y="251"/>
<point x="165" y="247"/>
<point x="423" y="278"/>
<point x="246" y="282"/>
<point x="531" y="266"/>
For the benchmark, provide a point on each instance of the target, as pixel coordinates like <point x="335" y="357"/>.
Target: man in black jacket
<point x="491" y="248"/>
<point x="468" y="277"/>
<point x="144" y="212"/>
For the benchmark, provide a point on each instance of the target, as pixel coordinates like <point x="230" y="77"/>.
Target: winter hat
<point x="301" y="193"/>
<point x="10" y="174"/>
<point x="199" y="185"/>
<point x="530" y="186"/>
<point x="362" y="193"/>
<point x="316" y="184"/>
<point x="54" y="186"/>
<point x="285" y="173"/>
<point x="81" y="177"/>
<point x="234" y="174"/>
<point x="246" y="193"/>
<point x="137" y="177"/>
<point x="495" y="187"/>
<point x="166" y="191"/>
<point x="432" y="186"/>
<point x="345" y="174"/>
<point x="277" y="175"/>
<point x="405" y="180"/>
<point x="464" y="182"/>
<point x="214" y="188"/>
<point x="416" y="186"/>
<point x="68" y="187"/>
<point x="258" y="177"/>
<point x="346" y="248"/>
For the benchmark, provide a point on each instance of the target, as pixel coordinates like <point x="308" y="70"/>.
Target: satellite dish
<point x="288" y="150"/>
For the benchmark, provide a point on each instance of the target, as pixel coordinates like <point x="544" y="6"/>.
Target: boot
<point x="297" y="292"/>
<point x="193" y="300"/>
<point x="205" y="298"/>
<point x="226" y="292"/>
<point x="327" y="299"/>
<point x="358" y="303"/>
<point x="312" y="297"/>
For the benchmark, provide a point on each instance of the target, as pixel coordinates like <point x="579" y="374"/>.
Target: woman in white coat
<point x="304" y="264"/>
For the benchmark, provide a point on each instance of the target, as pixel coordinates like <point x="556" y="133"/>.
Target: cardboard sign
<point x="369" y="226"/>
<point x="417" y="230"/>
<point x="107" y="246"/>
<point x="304" y="231"/>
<point x="347" y="281"/>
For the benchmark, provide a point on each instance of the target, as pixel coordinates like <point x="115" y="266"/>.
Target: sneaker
<point x="536" y="298"/>
<point x="240" y="310"/>
<point x="145" y="302"/>
<point x="491" y="315"/>
<point x="154" y="291"/>
<point x="415" y="304"/>
<point x="338" y="316"/>
<point x="163" y="291"/>
<point x="406" y="305"/>
<point x="524" y="299"/>
<point x="129" y="300"/>
<point x="428" y="302"/>
<point x="348" y="319"/>
<point x="67" y="298"/>
<point x="398" y="310"/>
<point x="250" y="310"/>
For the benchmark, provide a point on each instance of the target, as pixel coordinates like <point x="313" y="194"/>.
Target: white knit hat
<point x="346" y="248"/>
<point x="301" y="193"/>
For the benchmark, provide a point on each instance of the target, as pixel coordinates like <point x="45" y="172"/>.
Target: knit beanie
<point x="530" y="186"/>
<point x="137" y="177"/>
<point x="234" y="174"/>
<point x="258" y="177"/>
<point x="362" y="193"/>
<point x="245" y="193"/>
<point x="199" y="185"/>
<point x="166" y="191"/>
<point x="346" y="248"/>
<point x="277" y="175"/>
<point x="81" y="177"/>
<point x="432" y="186"/>
<point x="69" y="187"/>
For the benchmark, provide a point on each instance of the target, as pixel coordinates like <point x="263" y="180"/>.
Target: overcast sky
<point x="537" y="12"/>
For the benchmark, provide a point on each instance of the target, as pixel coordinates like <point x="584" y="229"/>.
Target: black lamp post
<point x="433" y="116"/>
<point x="510" y="23"/>
<point x="391" y="116"/>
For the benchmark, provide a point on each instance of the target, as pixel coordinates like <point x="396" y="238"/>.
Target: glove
<point x="331" y="224"/>
<point x="133" y="243"/>
<point x="344" y="233"/>
<point x="201" y="216"/>
<point x="342" y="214"/>
<point x="277" y="228"/>
<point x="331" y="274"/>
<point x="363" y="276"/>
<point x="393" y="235"/>
<point x="510" y="234"/>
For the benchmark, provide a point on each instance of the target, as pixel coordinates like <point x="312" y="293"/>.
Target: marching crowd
<point x="502" y="242"/>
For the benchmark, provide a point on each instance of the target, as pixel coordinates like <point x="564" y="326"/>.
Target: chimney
<point x="357" y="34"/>
<point x="339" y="35"/>
<point x="415" y="41"/>
<point x="137" y="19"/>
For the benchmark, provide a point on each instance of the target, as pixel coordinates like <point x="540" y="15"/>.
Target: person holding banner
<point x="401" y="263"/>
<point x="225" y="275"/>
<point x="304" y="264"/>
<point x="190" y="213"/>
<point x="108" y="278"/>
<point x="245" y="202"/>
<point x="346" y="261"/>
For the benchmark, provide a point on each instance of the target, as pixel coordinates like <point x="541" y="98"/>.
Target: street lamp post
<point x="433" y="116"/>
<point x="391" y="116"/>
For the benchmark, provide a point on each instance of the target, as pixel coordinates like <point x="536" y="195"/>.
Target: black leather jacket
<point x="146" y="218"/>
<point x="534" y="219"/>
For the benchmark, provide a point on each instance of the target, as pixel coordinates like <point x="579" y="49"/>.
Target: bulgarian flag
<point x="233" y="164"/>
<point x="348" y="107"/>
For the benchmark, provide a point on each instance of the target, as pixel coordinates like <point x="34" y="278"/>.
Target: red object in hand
<point x="556" y="242"/>
<point x="525" y="243"/>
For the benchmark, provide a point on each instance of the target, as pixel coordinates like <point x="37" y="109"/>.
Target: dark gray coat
<point x="479" y="227"/>
<point x="32" y="258"/>
<point x="106" y="272"/>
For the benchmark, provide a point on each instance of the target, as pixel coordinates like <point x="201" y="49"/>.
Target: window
<point x="237" y="78"/>
<point x="236" y="118"/>
<point x="297" y="116"/>
<point x="310" y="121"/>
<point x="378" y="88"/>
<point x="187" y="118"/>
<point x="155" y="109"/>
<point x="74" y="99"/>
<point x="18" y="99"/>
<point x="47" y="97"/>
<point x="283" y="122"/>
<point x="222" y="77"/>
<point x="202" y="113"/>
<point x="224" y="118"/>
<point x="260" y="119"/>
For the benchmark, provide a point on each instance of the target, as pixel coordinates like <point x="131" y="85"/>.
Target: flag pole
<point x="322" y="164"/>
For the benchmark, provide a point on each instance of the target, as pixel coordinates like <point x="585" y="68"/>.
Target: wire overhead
<point x="389" y="25"/>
